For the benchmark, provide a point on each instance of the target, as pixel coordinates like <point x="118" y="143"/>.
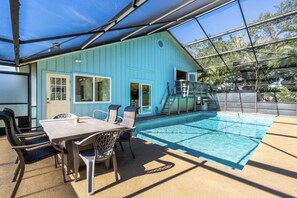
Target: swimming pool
<point x="226" y="139"/>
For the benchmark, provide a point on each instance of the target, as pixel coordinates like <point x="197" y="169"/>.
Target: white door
<point x="57" y="94"/>
<point x="192" y="76"/>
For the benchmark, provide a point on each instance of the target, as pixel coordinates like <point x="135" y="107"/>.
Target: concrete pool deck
<point x="160" y="172"/>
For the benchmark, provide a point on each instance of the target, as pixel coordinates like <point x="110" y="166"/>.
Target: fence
<point x="246" y="102"/>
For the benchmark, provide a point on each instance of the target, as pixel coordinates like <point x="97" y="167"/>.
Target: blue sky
<point x="224" y="19"/>
<point x="64" y="18"/>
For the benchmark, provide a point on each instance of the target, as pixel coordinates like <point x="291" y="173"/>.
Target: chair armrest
<point x="127" y="128"/>
<point x="30" y="134"/>
<point x="43" y="144"/>
<point x="98" y="110"/>
<point x="133" y="128"/>
<point x="30" y="128"/>
<point x="85" y="141"/>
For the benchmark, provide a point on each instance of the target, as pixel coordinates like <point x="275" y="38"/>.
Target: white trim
<point x="140" y="96"/>
<point x="93" y="81"/>
<point x="48" y="75"/>
<point x="151" y="98"/>
<point x="192" y="73"/>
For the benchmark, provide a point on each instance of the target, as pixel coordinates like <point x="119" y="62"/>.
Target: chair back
<point x="10" y="129"/>
<point x="12" y="114"/>
<point x="103" y="142"/>
<point x="64" y="115"/>
<point x="129" y="116"/>
<point x="113" y="111"/>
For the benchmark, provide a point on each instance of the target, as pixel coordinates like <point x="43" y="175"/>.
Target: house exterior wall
<point x="137" y="60"/>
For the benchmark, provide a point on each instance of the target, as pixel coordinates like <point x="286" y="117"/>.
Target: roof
<point x="37" y="29"/>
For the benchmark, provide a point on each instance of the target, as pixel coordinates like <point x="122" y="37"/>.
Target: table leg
<point x="69" y="157"/>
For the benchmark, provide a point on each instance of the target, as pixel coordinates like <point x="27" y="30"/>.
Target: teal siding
<point x="137" y="60"/>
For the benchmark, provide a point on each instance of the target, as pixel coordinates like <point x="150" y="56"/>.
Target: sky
<point x="224" y="19"/>
<point x="64" y="18"/>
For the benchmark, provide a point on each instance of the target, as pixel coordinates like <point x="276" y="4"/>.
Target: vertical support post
<point x="240" y="100"/>
<point x="256" y="90"/>
<point x="187" y="105"/>
<point x="256" y="102"/>
<point x="178" y="105"/>
<point x="225" y="101"/>
<point x="168" y="89"/>
<point x="276" y="103"/>
<point x="30" y="95"/>
<point x="195" y="108"/>
<point x="14" y="15"/>
<point x="296" y="99"/>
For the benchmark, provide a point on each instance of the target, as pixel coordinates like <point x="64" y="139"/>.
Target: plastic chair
<point x="128" y="122"/>
<point x="112" y="114"/>
<point x="103" y="143"/>
<point x="27" y="153"/>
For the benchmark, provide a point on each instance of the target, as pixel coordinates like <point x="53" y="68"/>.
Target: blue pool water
<point x="227" y="139"/>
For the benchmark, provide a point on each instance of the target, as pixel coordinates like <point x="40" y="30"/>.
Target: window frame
<point x="140" y="96"/>
<point x="93" y="89"/>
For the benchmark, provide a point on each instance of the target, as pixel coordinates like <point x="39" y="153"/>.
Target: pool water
<point x="226" y="139"/>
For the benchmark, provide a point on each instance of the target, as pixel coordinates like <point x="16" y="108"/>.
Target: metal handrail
<point x="98" y="110"/>
<point x="198" y="85"/>
<point x="167" y="90"/>
<point x="101" y="111"/>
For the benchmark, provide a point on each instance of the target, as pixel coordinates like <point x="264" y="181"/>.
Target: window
<point x="58" y="89"/>
<point x="141" y="95"/>
<point x="7" y="68"/>
<point x="102" y="89"/>
<point x="92" y="88"/>
<point x="146" y="103"/>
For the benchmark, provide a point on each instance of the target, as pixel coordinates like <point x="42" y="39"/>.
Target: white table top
<point x="64" y="129"/>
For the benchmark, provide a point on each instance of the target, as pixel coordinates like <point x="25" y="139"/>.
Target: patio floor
<point x="161" y="172"/>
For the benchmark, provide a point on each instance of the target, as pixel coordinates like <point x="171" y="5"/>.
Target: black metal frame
<point x="196" y="19"/>
<point x="249" y="47"/>
<point x="29" y="93"/>
<point x="14" y="7"/>
<point x="84" y="33"/>
<point x="113" y="29"/>
<point x="115" y="20"/>
<point x="202" y="69"/>
<point x="212" y="43"/>
<point x="35" y="56"/>
<point x="6" y="40"/>
<point x="244" y="27"/>
<point x="14" y="12"/>
<point x="7" y="63"/>
<point x="158" y="19"/>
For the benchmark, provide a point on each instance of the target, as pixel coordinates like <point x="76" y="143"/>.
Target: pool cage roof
<point x="238" y="44"/>
<point x="31" y="30"/>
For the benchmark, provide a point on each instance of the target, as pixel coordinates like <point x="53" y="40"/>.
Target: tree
<point x="277" y="71"/>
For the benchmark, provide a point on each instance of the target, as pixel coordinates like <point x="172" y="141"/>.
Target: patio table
<point x="64" y="131"/>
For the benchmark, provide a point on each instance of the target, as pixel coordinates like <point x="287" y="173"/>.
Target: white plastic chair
<point x="103" y="150"/>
